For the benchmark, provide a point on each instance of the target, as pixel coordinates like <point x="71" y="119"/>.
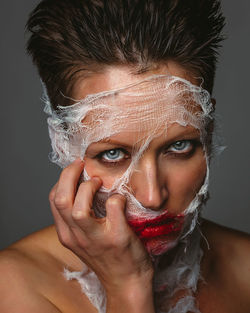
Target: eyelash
<point x="102" y="160"/>
<point x="190" y="149"/>
<point x="193" y="144"/>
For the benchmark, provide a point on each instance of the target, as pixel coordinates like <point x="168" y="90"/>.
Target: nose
<point x="148" y="184"/>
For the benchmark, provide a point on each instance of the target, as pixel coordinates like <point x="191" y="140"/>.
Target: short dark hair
<point x="76" y="37"/>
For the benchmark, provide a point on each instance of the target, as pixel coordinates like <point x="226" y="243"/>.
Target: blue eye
<point x="181" y="146"/>
<point x="113" y="155"/>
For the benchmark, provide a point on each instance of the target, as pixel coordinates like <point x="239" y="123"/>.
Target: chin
<point x="160" y="245"/>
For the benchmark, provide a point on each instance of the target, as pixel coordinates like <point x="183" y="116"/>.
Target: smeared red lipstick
<point x="162" y="225"/>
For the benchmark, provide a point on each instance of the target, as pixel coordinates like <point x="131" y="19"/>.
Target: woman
<point x="133" y="132"/>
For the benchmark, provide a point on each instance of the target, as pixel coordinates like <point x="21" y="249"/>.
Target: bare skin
<point x="33" y="267"/>
<point x="33" y="270"/>
<point x="226" y="270"/>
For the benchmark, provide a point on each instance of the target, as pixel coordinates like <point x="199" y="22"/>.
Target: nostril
<point x="152" y="199"/>
<point x="160" y="207"/>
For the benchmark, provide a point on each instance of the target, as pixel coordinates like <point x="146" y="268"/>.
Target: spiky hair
<point x="76" y="37"/>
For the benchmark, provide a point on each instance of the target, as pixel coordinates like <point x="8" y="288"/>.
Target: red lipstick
<point x="162" y="225"/>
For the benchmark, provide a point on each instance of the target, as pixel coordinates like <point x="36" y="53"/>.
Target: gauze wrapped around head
<point x="145" y="110"/>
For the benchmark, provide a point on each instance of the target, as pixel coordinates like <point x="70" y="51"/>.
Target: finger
<point x="66" y="190"/>
<point x="115" y="210"/>
<point x="82" y="212"/>
<point x="65" y="236"/>
<point x="53" y="193"/>
<point x="70" y="237"/>
<point x="73" y="240"/>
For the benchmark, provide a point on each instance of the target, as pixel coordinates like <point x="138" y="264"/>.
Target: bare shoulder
<point x="31" y="275"/>
<point x="230" y="255"/>
<point x="18" y="283"/>
<point x="227" y="242"/>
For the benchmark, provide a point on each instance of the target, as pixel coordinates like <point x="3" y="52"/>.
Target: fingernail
<point x="96" y="179"/>
<point x="78" y="161"/>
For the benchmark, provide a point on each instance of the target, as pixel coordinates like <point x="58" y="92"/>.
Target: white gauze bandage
<point x="144" y="110"/>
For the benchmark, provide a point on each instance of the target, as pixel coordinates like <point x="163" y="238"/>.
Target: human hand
<point x="107" y="245"/>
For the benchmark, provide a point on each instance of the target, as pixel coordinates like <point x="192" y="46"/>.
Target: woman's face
<point x="172" y="168"/>
<point x="168" y="174"/>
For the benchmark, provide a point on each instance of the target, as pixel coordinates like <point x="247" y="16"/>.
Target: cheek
<point x="184" y="180"/>
<point x="108" y="176"/>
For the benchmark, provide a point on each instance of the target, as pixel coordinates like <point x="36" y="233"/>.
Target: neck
<point x="179" y="270"/>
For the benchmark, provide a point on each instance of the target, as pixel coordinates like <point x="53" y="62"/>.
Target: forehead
<point x="146" y="109"/>
<point x="150" y="105"/>
<point x="115" y="77"/>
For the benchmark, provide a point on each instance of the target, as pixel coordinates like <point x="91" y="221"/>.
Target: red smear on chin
<point x="163" y="225"/>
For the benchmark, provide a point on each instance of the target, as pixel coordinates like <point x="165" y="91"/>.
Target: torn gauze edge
<point x="146" y="110"/>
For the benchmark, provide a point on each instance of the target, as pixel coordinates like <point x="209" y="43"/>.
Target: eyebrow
<point x="186" y="133"/>
<point x="114" y="143"/>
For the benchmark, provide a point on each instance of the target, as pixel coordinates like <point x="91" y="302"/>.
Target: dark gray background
<point x="27" y="175"/>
